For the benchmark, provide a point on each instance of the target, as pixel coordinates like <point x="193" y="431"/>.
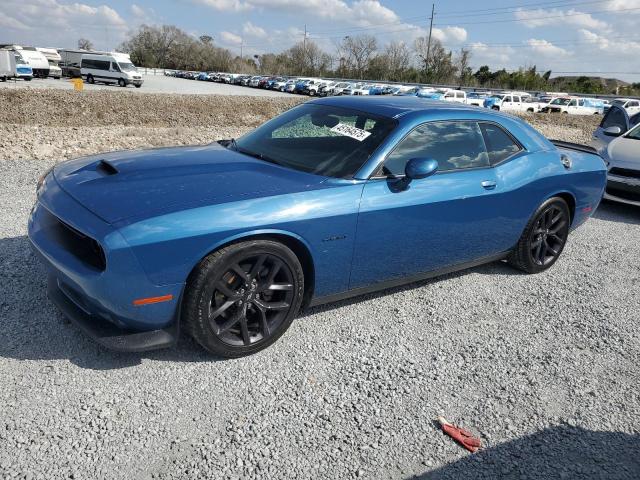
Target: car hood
<point x="623" y="152"/>
<point x="121" y="185"/>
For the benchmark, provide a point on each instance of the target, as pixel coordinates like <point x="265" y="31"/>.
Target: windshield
<point x="561" y="101"/>
<point x="127" y="67"/>
<point x="497" y="97"/>
<point x="319" y="139"/>
<point x="19" y="58"/>
<point x="634" y="134"/>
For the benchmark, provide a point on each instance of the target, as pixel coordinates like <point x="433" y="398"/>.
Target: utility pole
<point x="241" y="45"/>
<point x="304" y="41"/>
<point x="426" y="62"/>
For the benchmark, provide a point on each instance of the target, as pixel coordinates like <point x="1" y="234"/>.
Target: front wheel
<point x="121" y="82"/>
<point x="242" y="298"/>
<point x="543" y="238"/>
<point x="90" y="79"/>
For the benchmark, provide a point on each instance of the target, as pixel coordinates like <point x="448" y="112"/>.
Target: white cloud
<point x="137" y="11"/>
<point x="556" y="17"/>
<point x="617" y="48"/>
<point x="231" y="38"/>
<point x="495" y="56"/>
<point x="224" y="5"/>
<point x="546" y="48"/>
<point x="450" y="34"/>
<point x="58" y="23"/>
<point x="252" y="30"/>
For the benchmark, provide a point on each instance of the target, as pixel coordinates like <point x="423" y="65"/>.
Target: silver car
<point x="617" y="139"/>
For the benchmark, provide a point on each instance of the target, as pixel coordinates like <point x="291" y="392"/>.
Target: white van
<point x="7" y="65"/>
<point x="111" y="68"/>
<point x="53" y="57"/>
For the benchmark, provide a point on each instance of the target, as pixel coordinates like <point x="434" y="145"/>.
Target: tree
<point x="357" y="52"/>
<point x="84" y="44"/>
<point x="206" y="39"/>
<point x="465" y="74"/>
<point x="436" y="61"/>
<point x="398" y="59"/>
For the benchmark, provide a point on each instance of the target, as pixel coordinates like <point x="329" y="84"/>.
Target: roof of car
<point x="391" y="106"/>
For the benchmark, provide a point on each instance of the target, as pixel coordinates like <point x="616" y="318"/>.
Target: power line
<point x="547" y="17"/>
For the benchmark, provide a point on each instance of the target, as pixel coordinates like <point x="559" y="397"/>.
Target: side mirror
<point x="418" y="168"/>
<point x="614" y="131"/>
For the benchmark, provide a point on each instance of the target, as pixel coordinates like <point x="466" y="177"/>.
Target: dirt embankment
<point x="55" y="125"/>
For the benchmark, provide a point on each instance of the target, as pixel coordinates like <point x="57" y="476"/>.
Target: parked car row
<point x="508" y="101"/>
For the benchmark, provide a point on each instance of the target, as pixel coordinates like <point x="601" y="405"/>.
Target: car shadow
<point x="618" y="212"/>
<point x="32" y="328"/>
<point x="562" y="452"/>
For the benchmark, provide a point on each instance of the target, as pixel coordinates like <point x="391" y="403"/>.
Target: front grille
<point x="625" y="172"/>
<point x="81" y="246"/>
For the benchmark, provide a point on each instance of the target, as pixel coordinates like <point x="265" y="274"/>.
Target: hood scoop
<point x="106" y="168"/>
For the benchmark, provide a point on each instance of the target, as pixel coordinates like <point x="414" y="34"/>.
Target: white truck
<point x="506" y="102"/>
<point x="35" y="59"/>
<point x="54" y="58"/>
<point x="7" y="65"/>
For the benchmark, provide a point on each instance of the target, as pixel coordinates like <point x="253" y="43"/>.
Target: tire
<point x="121" y="82"/>
<point x="232" y="316"/>
<point x="543" y="238"/>
<point x="495" y="108"/>
<point x="138" y="86"/>
<point x="90" y="79"/>
<point x="28" y="79"/>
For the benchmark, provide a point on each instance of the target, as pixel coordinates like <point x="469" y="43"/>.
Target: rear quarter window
<point x="500" y="145"/>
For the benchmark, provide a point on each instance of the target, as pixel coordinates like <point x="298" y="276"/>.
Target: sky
<point x="596" y="37"/>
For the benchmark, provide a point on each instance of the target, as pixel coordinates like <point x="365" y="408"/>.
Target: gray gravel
<point x="544" y="368"/>
<point x="152" y="84"/>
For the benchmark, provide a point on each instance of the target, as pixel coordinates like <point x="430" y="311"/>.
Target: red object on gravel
<point x="460" y="435"/>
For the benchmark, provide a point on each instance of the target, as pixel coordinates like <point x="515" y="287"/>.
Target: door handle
<point x="488" y="184"/>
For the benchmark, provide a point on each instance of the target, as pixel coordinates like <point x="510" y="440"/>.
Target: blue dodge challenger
<point x="334" y="198"/>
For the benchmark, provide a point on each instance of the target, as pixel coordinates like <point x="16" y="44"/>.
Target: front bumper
<point x="134" y="81"/>
<point x="105" y="292"/>
<point x="106" y="334"/>
<point x="623" y="189"/>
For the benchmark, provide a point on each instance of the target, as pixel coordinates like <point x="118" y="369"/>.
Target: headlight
<point x="42" y="179"/>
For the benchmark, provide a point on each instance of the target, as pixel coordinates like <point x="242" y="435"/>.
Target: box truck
<point x="7" y="65"/>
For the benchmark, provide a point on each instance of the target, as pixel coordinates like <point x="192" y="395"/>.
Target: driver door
<point x="450" y="218"/>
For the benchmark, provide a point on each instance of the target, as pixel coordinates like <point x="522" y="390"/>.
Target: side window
<point x="500" y="145"/>
<point x="115" y="67"/>
<point x="516" y="99"/>
<point x="459" y="95"/>
<point x="635" y="119"/>
<point x="572" y="103"/>
<point x="633" y="104"/>
<point x="581" y="103"/>
<point x="455" y="145"/>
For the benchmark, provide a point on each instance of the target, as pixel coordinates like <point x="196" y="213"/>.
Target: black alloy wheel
<point x="242" y="298"/>
<point x="251" y="299"/>
<point x="549" y="235"/>
<point x="90" y="79"/>
<point x="544" y="237"/>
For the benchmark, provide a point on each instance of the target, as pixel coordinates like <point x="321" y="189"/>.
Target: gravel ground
<point x="544" y="368"/>
<point x="152" y="84"/>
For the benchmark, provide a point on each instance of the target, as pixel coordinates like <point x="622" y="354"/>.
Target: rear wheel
<point x="90" y="79"/>
<point x="544" y="237"/>
<point x="242" y="298"/>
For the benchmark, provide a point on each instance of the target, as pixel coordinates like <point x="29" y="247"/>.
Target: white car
<point x="339" y="87"/>
<point x="623" y="158"/>
<point x="457" y="96"/>
<point x="574" y="106"/>
<point x="632" y="106"/>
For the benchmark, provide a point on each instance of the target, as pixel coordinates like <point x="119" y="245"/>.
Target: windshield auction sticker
<point x="349" y="131"/>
